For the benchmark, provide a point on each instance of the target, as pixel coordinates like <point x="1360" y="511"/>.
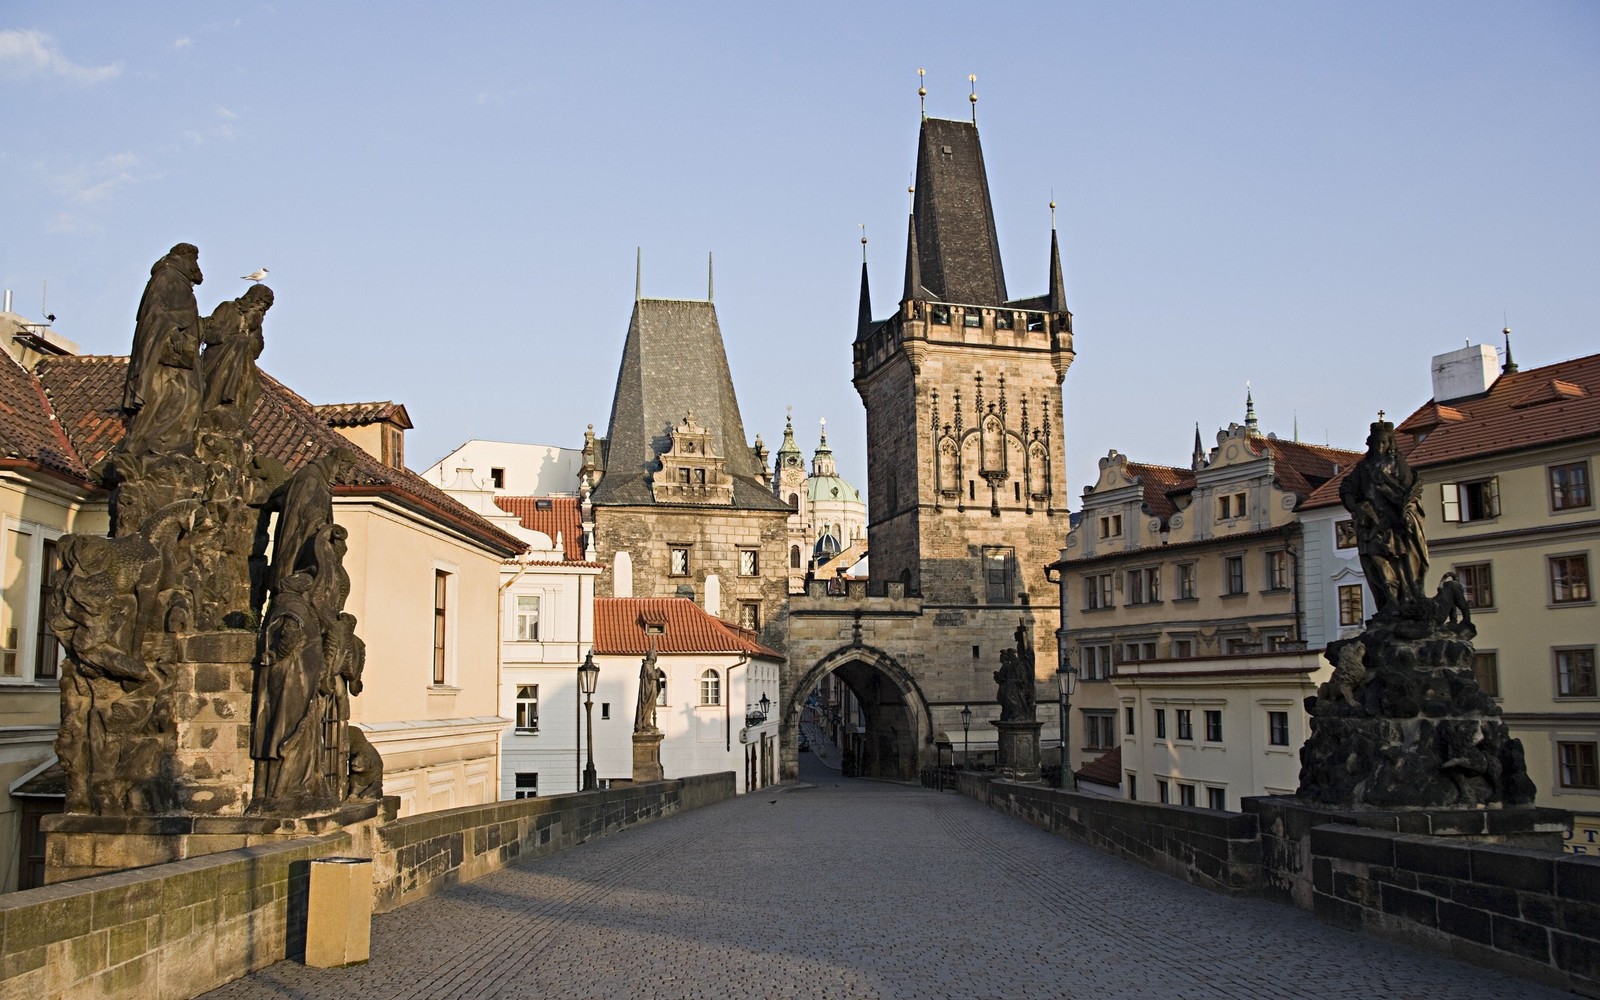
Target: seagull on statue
<point x="255" y="276"/>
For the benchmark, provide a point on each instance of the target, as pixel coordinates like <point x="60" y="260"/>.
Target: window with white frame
<point x="1472" y="500"/>
<point x="1477" y="582"/>
<point x="750" y="615"/>
<point x="1216" y="798"/>
<point x="527" y="785"/>
<point x="1161" y="726"/>
<point x="678" y="560"/>
<point x="441" y="624"/>
<point x="1185" y="724"/>
<point x="1163" y="791"/>
<point x="1578" y="764"/>
<point x="1185" y="794"/>
<point x="1575" y="677"/>
<point x="1278" y="729"/>
<point x="1096" y="661"/>
<point x="1233" y="575"/>
<point x="1351" y="611"/>
<point x="1186" y="581"/>
<point x="1097" y="591"/>
<point x="1569" y="579"/>
<point x="1144" y="585"/>
<point x="1143" y="649"/>
<point x="710" y="688"/>
<point x="1128" y="713"/>
<point x="527" y="720"/>
<point x="1213" y="725"/>
<point x="1277" y="570"/>
<point x="1569" y="486"/>
<point x="527" y="618"/>
<point x="749" y="562"/>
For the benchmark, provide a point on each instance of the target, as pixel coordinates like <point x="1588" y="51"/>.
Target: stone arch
<point x="919" y="716"/>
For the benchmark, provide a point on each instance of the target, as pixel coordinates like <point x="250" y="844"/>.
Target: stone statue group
<point x="192" y="522"/>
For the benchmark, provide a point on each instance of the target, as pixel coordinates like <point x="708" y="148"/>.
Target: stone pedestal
<point x="1018" y="758"/>
<point x="77" y="846"/>
<point x="647" y="757"/>
<point x="212" y="772"/>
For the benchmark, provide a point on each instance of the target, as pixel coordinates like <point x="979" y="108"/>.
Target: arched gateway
<point x="899" y="724"/>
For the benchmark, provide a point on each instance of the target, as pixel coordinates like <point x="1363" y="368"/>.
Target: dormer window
<point x="541" y="503"/>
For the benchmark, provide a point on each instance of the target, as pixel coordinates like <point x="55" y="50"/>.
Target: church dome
<point x="826" y="548"/>
<point x="831" y="488"/>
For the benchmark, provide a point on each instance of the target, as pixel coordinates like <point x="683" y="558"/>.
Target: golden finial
<point x="911" y="197"/>
<point x="863" y="227"/>
<point x="922" y="92"/>
<point x="972" y="78"/>
<point x="1052" y="213"/>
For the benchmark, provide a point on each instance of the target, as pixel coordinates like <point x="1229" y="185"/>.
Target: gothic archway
<point x="888" y="706"/>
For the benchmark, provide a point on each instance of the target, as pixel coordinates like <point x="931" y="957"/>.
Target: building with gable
<point x="1182" y="602"/>
<point x="681" y="503"/>
<point x="966" y="496"/>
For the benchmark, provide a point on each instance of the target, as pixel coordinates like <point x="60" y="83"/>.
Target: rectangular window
<point x="1213" y="725"/>
<point x="1486" y="668"/>
<point x="1233" y="571"/>
<point x="1477" y="581"/>
<point x="1099" y="730"/>
<point x="1185" y="794"/>
<point x="1132" y="652"/>
<point x="1182" y="649"/>
<point x="527" y="785"/>
<point x="749" y="563"/>
<point x="1278" y="570"/>
<point x="14" y="603"/>
<point x="972" y="319"/>
<point x="940" y="315"/>
<point x="441" y="590"/>
<point x="1278" y="729"/>
<point x="710" y="688"/>
<point x="1163" y="791"/>
<point x="1344" y="534"/>
<point x="1127" y="719"/>
<point x="47" y="651"/>
<point x="997" y="563"/>
<point x="497" y="478"/>
<point x="1002" y="320"/>
<point x="1569" y="486"/>
<point x="1477" y="500"/>
<point x="1216" y="798"/>
<point x="1097" y="592"/>
<point x="1350" y="606"/>
<point x="678" y="560"/>
<point x="1096" y="662"/>
<point x="1144" y="585"/>
<point x="1133" y="786"/>
<point x="527" y="618"/>
<point x="1161" y="723"/>
<point x="605" y="710"/>
<point x="1111" y="526"/>
<point x="750" y="615"/>
<point x="1578" y="765"/>
<point x="1185" y="724"/>
<point x="527" y="708"/>
<point x="1569" y="579"/>
<point x="1575" y="672"/>
<point x="1186" y="581"/>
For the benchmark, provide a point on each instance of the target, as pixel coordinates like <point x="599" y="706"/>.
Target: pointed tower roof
<point x="864" y="315"/>
<point x="1252" y="426"/>
<point x="673" y="362"/>
<point x="789" y="446"/>
<point x="1198" y="460"/>
<point x="1058" y="290"/>
<point x="822" y="459"/>
<point x="913" y="288"/>
<point x="955" y="247"/>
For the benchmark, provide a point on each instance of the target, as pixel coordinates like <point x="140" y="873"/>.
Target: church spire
<point x="913" y="289"/>
<point x="1198" y="460"/>
<point x="1252" y="426"/>
<point x="1058" y="292"/>
<point x="864" y="315"/>
<point x="1510" y="367"/>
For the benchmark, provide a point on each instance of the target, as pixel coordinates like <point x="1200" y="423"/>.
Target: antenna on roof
<point x="710" y="276"/>
<point x="638" y="264"/>
<point x="972" y="78"/>
<point x="922" y="92"/>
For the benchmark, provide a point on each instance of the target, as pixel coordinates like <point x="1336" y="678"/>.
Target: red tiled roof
<point x="1160" y="482"/>
<point x="560" y="515"/>
<point x="86" y="394"/>
<point x="358" y="414"/>
<point x="1302" y="467"/>
<point x="1105" y="769"/>
<point x="29" y="432"/>
<point x="1541" y="406"/>
<point x="619" y="628"/>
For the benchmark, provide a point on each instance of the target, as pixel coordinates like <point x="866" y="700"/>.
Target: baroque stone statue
<point x="1402" y="722"/>
<point x="1014" y="681"/>
<point x="233" y="342"/>
<point x="644" y="714"/>
<point x="163" y="389"/>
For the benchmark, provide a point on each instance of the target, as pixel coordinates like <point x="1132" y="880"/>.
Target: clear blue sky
<point x="1312" y="197"/>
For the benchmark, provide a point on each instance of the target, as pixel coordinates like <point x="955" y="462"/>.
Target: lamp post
<point x="766" y="704"/>
<point x="966" y="742"/>
<point x="588" y="675"/>
<point x="1067" y="681"/>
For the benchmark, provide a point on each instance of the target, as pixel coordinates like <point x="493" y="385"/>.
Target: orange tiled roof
<point x="86" y="393"/>
<point x="560" y="516"/>
<point x="358" y="414"/>
<point x="1540" y="406"/>
<point x="619" y="628"/>
<point x="1160" y="483"/>
<point x="29" y="432"/>
<point x="1301" y="468"/>
<point x="1105" y="769"/>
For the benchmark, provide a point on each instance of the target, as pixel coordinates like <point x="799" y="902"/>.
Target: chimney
<point x="1469" y="371"/>
<point x="8" y="301"/>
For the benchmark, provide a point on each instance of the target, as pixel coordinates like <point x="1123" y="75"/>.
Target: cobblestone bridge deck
<point x="851" y="889"/>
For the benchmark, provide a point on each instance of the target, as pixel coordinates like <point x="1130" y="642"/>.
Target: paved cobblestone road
<point x="852" y="890"/>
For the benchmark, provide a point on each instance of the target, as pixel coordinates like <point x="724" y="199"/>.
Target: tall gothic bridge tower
<point x="967" y="500"/>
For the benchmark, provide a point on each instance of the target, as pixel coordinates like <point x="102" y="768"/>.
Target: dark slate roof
<point x="29" y="432"/>
<point x="957" y="250"/>
<point x="673" y="363"/>
<point x="86" y="394"/>
<point x="361" y="414"/>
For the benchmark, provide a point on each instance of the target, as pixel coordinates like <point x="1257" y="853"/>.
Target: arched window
<point x="661" y="686"/>
<point x="710" y="688"/>
<point x="794" y="501"/>
<point x="794" y="557"/>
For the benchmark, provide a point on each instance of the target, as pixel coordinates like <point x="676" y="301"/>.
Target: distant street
<point x="838" y="889"/>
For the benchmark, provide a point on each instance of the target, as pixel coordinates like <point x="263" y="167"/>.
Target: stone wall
<point x="176" y="930"/>
<point x="1208" y="848"/>
<point x="420" y="855"/>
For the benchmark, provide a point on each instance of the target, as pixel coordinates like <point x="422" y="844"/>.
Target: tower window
<point x="972" y="319"/>
<point x="940" y="315"/>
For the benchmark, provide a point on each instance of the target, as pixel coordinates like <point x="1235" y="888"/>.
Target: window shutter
<point x="1492" y="495"/>
<point x="1450" y="496"/>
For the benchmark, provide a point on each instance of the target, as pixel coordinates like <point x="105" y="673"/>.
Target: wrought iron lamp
<point x="588" y="677"/>
<point x="966" y="736"/>
<point x="1067" y="681"/>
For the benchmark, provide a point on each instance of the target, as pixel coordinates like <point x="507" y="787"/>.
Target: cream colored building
<point x="828" y="519"/>
<point x="1507" y="461"/>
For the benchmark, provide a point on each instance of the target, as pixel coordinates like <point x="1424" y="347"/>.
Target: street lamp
<point x="1067" y="681"/>
<point x="766" y="704"/>
<point x="588" y="676"/>
<point x="966" y="742"/>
